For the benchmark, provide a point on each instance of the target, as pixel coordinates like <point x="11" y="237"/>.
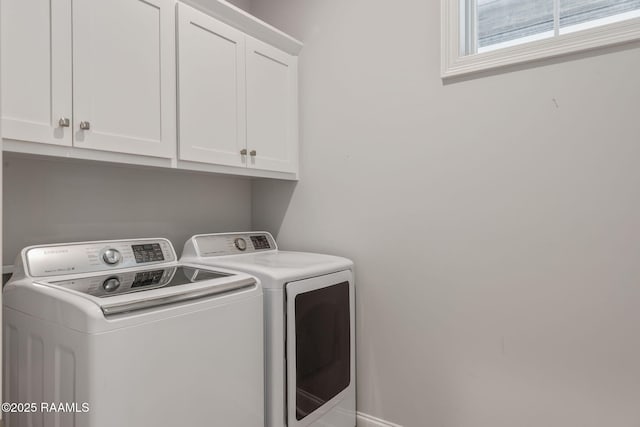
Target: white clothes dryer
<point x="309" y="325"/>
<point x="121" y="334"/>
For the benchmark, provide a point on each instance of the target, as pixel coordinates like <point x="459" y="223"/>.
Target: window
<point x="483" y="34"/>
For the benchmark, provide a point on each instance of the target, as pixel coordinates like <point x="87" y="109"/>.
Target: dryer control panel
<point x="91" y="257"/>
<point x="207" y="245"/>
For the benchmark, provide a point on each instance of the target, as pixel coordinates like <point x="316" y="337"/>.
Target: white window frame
<point x="455" y="64"/>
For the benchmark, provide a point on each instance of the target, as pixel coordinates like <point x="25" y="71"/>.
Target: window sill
<point x="454" y="65"/>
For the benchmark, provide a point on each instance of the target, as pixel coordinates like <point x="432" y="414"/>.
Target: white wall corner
<point x="366" y="420"/>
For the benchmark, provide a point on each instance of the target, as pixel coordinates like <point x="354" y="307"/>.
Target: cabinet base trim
<point x="27" y="148"/>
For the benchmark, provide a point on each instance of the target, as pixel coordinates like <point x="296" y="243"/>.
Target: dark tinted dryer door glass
<point x="323" y="352"/>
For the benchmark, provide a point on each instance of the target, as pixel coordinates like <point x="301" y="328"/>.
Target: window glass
<point x="509" y="22"/>
<point x="595" y="12"/>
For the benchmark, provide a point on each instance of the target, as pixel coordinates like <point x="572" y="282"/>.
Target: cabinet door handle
<point x="64" y="122"/>
<point x="243" y="152"/>
<point x="85" y="125"/>
<point x="253" y="153"/>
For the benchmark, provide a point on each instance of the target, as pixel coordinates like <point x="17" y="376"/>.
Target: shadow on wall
<point x="273" y="197"/>
<point x="55" y="200"/>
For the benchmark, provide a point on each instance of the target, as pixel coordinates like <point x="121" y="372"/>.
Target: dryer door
<point x="320" y="346"/>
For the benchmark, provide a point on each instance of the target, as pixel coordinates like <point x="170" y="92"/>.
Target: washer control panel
<point x="89" y="257"/>
<point x="233" y="243"/>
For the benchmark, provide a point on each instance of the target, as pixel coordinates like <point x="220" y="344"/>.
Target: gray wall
<point x="494" y="222"/>
<point x="48" y="201"/>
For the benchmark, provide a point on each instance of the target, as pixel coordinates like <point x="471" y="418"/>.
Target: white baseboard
<point x="365" y="420"/>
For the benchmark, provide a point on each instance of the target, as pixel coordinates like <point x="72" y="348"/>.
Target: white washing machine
<point x="309" y="326"/>
<point x="121" y="334"/>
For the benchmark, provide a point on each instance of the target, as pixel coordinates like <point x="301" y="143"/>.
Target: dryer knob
<point x="241" y="244"/>
<point x="111" y="256"/>
<point x="111" y="284"/>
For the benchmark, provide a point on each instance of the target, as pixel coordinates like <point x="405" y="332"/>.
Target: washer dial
<point x="240" y="244"/>
<point x="111" y="256"/>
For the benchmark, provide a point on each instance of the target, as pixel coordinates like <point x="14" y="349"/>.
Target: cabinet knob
<point x="243" y="151"/>
<point x="85" y="125"/>
<point x="253" y="153"/>
<point x="64" y="122"/>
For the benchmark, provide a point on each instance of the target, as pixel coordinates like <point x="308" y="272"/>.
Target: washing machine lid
<point x="130" y="290"/>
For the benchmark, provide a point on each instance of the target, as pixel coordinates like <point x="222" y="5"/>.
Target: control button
<point x="111" y="284"/>
<point x="241" y="244"/>
<point x="111" y="256"/>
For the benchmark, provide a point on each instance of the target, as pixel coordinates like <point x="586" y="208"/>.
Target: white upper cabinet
<point x="272" y="108"/>
<point x="211" y="75"/>
<point x="237" y="97"/>
<point x="124" y="76"/>
<point x="190" y="84"/>
<point x="36" y="70"/>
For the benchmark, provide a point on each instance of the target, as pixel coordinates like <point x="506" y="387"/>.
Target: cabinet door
<point x="124" y="76"/>
<point x="36" y="70"/>
<point x="272" y="108"/>
<point x="211" y="90"/>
